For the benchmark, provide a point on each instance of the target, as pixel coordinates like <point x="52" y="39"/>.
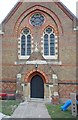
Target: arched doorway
<point x="37" y="87"/>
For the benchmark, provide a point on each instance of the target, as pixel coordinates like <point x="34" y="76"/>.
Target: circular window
<point x="49" y="30"/>
<point x="37" y="19"/>
<point x="26" y="31"/>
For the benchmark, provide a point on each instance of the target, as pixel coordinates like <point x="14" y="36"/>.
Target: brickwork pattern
<point x="65" y="90"/>
<point x="62" y="23"/>
<point x="8" y="87"/>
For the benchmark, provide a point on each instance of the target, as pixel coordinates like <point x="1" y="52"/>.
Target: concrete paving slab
<point x="31" y="109"/>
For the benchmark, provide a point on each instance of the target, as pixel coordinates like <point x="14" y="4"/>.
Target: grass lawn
<point x="7" y="106"/>
<point x="55" y="112"/>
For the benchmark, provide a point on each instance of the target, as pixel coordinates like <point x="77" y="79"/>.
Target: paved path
<point x="31" y="109"/>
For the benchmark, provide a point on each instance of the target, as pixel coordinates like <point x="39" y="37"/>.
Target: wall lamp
<point x="36" y="65"/>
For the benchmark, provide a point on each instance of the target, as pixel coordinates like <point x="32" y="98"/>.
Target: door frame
<point x="28" y="78"/>
<point x="33" y="87"/>
<point x="29" y="92"/>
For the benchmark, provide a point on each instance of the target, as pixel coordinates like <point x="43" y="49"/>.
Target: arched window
<point x="25" y="42"/>
<point x="49" y="42"/>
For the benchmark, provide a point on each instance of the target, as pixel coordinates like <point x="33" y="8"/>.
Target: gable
<point x="56" y="10"/>
<point x="59" y="4"/>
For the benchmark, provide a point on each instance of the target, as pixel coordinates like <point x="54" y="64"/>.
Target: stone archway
<point x="31" y="81"/>
<point x="32" y="73"/>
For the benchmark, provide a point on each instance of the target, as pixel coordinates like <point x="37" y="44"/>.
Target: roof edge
<point x="12" y="11"/>
<point x="66" y="10"/>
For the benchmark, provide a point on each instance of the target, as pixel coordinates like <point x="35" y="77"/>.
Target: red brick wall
<point x="65" y="90"/>
<point x="63" y="26"/>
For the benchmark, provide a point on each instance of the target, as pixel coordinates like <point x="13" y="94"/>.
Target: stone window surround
<point x="19" y="48"/>
<point x="56" y="48"/>
<point x="42" y="46"/>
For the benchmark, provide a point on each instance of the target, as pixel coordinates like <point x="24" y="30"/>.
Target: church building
<point x="39" y="50"/>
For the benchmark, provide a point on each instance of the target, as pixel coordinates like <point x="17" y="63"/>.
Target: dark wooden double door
<point x="37" y="87"/>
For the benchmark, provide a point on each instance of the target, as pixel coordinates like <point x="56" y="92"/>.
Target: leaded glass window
<point x="52" y="44"/>
<point x="37" y="19"/>
<point x="23" y="45"/>
<point x="46" y="45"/>
<point x="49" y="42"/>
<point x="25" y="42"/>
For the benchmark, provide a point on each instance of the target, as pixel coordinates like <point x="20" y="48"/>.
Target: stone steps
<point x="38" y="100"/>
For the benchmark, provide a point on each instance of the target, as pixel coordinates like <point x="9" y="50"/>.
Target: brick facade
<point x="64" y="66"/>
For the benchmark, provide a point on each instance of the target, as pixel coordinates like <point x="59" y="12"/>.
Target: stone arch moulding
<point x="40" y="8"/>
<point x="30" y="74"/>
